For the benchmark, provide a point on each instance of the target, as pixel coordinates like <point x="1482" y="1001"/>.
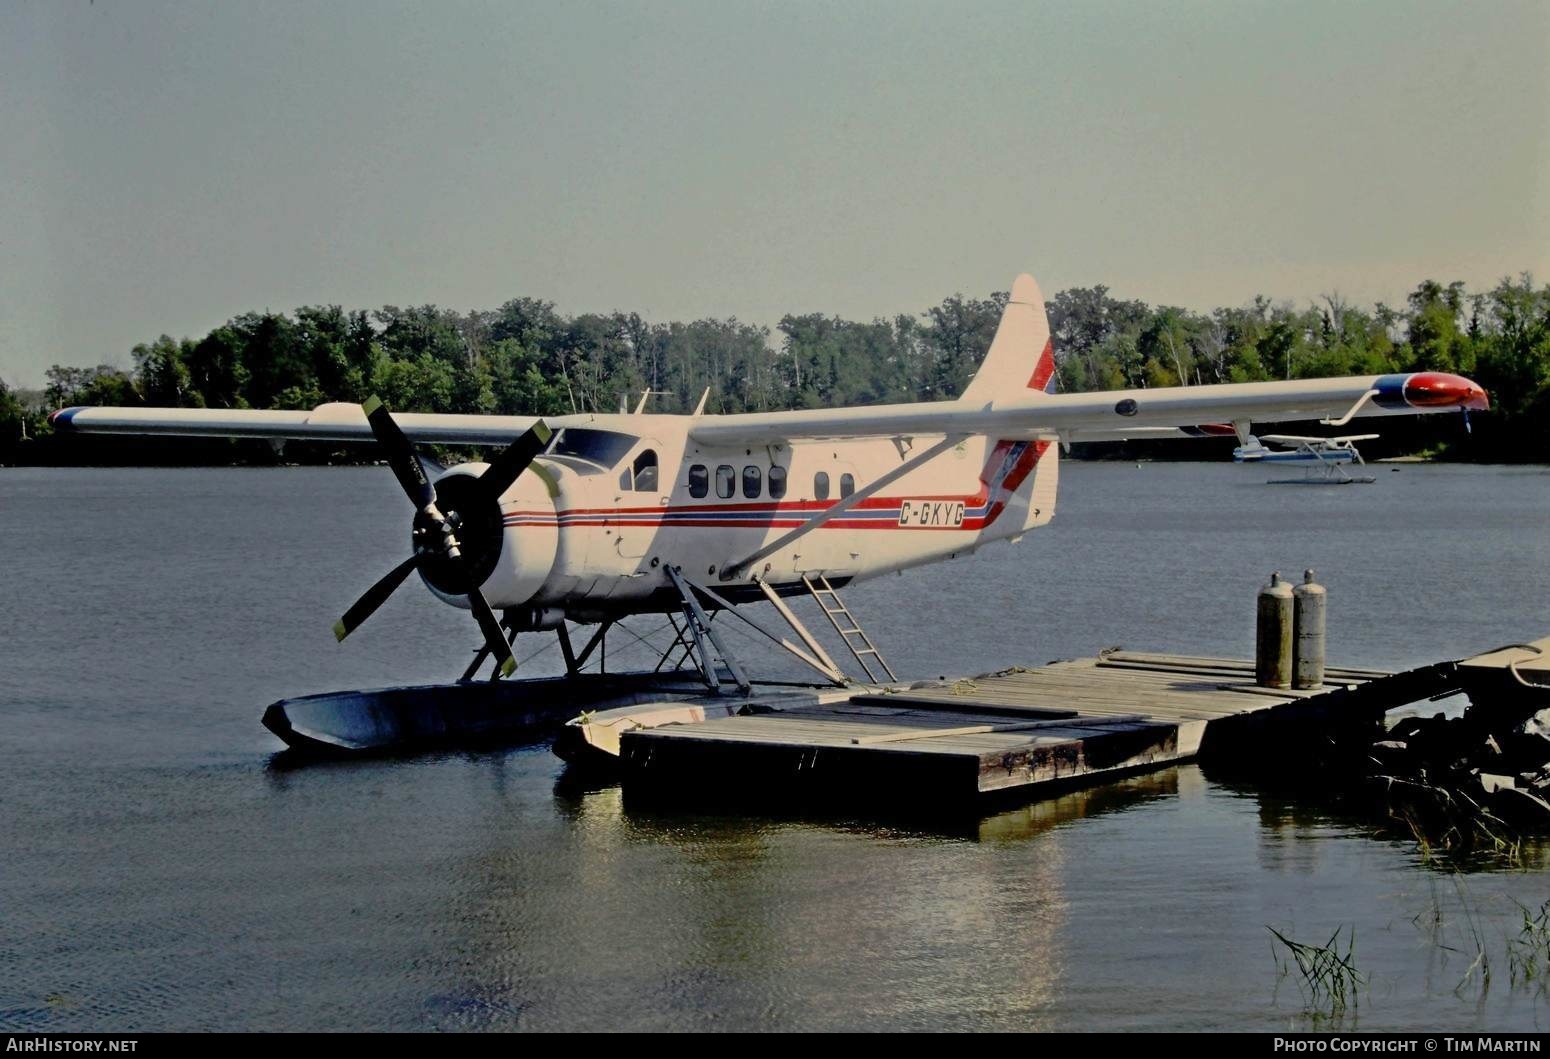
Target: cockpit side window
<point x="602" y="447"/>
<point x="646" y="472"/>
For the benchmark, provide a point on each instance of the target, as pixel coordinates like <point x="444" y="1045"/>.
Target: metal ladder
<point x="862" y="644"/>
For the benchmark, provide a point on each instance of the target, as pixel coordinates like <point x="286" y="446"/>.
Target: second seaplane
<point x="589" y="519"/>
<point x="1323" y="459"/>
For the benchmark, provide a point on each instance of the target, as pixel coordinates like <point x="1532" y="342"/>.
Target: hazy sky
<point x="168" y="165"/>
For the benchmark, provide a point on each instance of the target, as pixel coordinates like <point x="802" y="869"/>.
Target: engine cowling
<point x="509" y="547"/>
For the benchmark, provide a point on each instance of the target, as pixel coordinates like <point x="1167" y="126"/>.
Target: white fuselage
<point x="649" y="496"/>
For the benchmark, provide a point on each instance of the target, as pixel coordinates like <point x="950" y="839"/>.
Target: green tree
<point x="329" y="341"/>
<point x="1515" y="363"/>
<point x="102" y="385"/>
<point x="423" y="384"/>
<point x="423" y="330"/>
<point x="216" y="371"/>
<point x="1436" y="342"/>
<point x="646" y="343"/>
<point x="274" y="357"/>
<point x="1096" y="339"/>
<point x="1167" y="344"/>
<point x="957" y="335"/>
<point x="13" y="420"/>
<point x="518" y="384"/>
<point x="162" y="373"/>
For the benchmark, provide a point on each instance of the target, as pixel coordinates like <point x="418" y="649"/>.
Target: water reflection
<point x="1025" y="822"/>
<point x="1291" y="817"/>
<point x="782" y="918"/>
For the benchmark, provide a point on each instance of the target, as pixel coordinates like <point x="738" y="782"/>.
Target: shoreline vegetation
<point x="527" y="358"/>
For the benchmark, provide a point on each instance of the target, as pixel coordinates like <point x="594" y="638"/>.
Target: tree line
<point x="527" y="358"/>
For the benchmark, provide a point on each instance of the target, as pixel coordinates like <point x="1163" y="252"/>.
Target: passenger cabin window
<point x="699" y="481"/>
<point x="646" y="472"/>
<point x="777" y="482"/>
<point x="821" y="485"/>
<point x="752" y="482"/>
<point x="726" y="481"/>
<point x="847" y="485"/>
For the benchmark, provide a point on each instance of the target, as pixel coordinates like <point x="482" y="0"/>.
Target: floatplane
<point x="1322" y="458"/>
<point x="589" y="519"/>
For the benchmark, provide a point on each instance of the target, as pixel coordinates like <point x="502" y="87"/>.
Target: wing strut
<point x="700" y="627"/>
<point x="801" y="630"/>
<point x="818" y="660"/>
<point x="734" y="570"/>
<point x="1357" y="407"/>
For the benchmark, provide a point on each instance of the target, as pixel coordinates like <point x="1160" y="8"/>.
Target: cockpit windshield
<point x="604" y="448"/>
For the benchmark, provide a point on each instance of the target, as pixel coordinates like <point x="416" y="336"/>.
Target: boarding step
<point x="851" y="633"/>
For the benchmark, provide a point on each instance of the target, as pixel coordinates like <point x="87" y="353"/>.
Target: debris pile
<point x="1482" y="776"/>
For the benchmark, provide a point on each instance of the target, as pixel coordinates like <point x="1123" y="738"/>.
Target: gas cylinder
<point x="1273" y="635"/>
<point x="1308" y="633"/>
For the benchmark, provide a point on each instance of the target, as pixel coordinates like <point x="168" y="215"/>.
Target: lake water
<point x="159" y="869"/>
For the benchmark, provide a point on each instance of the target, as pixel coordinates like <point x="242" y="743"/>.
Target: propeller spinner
<point x="457" y="527"/>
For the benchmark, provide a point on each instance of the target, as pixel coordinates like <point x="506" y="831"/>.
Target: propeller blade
<point x="401" y="456"/>
<point x="513" y="460"/>
<point x="494" y="638"/>
<point x="375" y="596"/>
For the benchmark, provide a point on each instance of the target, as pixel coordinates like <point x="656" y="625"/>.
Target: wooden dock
<point x="1067" y="723"/>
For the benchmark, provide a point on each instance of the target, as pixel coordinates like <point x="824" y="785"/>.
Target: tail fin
<point x="1021" y="355"/>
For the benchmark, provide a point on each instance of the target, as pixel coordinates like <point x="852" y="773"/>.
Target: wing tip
<point x="62" y="418"/>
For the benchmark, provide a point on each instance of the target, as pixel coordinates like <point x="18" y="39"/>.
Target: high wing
<point x="328" y="422"/>
<point x="1111" y="415"/>
<point x="1171" y="411"/>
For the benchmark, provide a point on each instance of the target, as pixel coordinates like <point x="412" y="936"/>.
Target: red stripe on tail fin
<point x="1044" y="371"/>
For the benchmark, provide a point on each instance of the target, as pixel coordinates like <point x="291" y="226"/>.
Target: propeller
<point x="457" y="526"/>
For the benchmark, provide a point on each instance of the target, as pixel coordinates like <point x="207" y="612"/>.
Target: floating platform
<point x="1018" y="731"/>
<point x="1023" y="733"/>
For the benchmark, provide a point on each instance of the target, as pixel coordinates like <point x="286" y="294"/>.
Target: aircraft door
<point x="642" y="500"/>
<point x="832" y="551"/>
